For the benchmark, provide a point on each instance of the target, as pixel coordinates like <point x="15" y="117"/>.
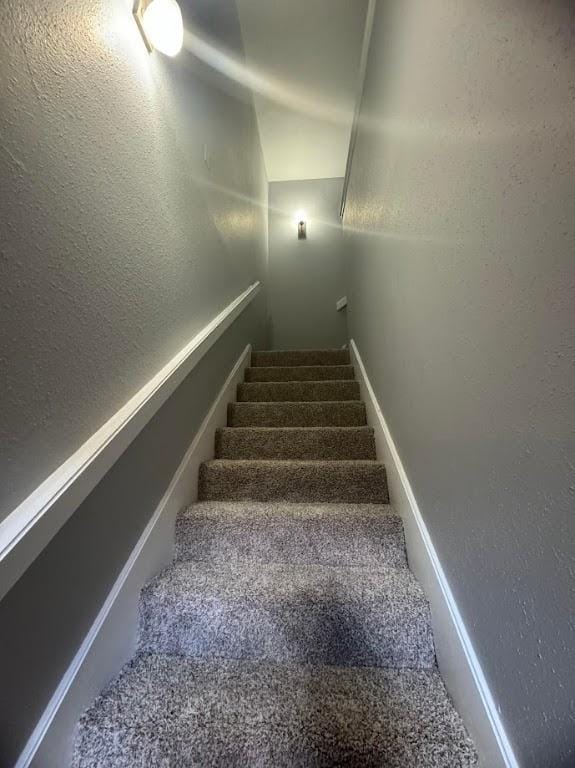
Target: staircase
<point x="289" y="630"/>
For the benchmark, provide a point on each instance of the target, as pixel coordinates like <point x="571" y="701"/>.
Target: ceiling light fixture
<point x="161" y="25"/>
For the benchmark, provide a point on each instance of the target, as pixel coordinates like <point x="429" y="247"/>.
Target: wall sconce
<point x="300" y="219"/>
<point x="161" y="25"/>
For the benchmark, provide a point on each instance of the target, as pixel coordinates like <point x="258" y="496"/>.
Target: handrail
<point x="34" y="522"/>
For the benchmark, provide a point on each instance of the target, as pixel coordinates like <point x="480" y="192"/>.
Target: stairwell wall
<point x="134" y="209"/>
<point x="460" y="222"/>
<point x="306" y="277"/>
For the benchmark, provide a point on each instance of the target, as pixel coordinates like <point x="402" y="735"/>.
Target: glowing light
<point x="163" y="26"/>
<point x="300" y="216"/>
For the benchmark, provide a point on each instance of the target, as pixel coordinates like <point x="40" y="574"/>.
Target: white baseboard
<point x="112" y="638"/>
<point x="458" y="662"/>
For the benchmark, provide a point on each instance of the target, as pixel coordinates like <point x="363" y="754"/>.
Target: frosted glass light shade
<point x="164" y="27"/>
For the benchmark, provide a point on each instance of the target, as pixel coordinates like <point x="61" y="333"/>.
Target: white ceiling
<point x="307" y="53"/>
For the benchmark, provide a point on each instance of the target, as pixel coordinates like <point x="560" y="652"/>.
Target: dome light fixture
<point x="161" y="25"/>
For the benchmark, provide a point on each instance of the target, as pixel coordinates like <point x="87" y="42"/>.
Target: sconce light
<point x="161" y="25"/>
<point x="300" y="219"/>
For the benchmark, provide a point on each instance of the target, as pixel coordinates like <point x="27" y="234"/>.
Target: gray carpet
<point x="322" y="443"/>
<point x="174" y="712"/>
<point x="293" y="391"/>
<point x="300" y="373"/>
<point x="348" y="413"/>
<point x="335" y="481"/>
<point x="279" y="358"/>
<point x="300" y="613"/>
<point x="289" y="630"/>
<point x="353" y="535"/>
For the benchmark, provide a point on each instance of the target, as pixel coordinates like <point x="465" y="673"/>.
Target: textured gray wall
<point x="117" y="243"/>
<point x="306" y="277"/>
<point x="462" y="302"/>
<point x="46" y="615"/>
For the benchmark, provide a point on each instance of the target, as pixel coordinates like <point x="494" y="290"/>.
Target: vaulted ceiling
<point x="305" y="57"/>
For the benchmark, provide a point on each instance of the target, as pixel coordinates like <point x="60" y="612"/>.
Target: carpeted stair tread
<point x="293" y="481"/>
<point x="326" y="443"/>
<point x="289" y="358"/>
<point x="294" y="391"/>
<point x="289" y="630"/>
<point x="352" y="535"/>
<point x="292" y="613"/>
<point x="169" y="711"/>
<point x="300" y="373"/>
<point x="349" y="413"/>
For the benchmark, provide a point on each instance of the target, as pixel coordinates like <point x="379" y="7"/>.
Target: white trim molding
<point x="30" y="527"/>
<point x="112" y="638"/>
<point x="358" y="99"/>
<point x="458" y="662"/>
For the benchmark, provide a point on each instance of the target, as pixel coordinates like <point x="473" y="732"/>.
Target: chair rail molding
<point x="34" y="522"/>
<point x="112" y="639"/>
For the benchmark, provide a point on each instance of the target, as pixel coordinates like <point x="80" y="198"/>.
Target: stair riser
<point x="308" y="444"/>
<point x="301" y="373"/>
<point x="273" y="358"/>
<point x="347" y="635"/>
<point x="234" y="482"/>
<point x="295" y="391"/>
<point x="278" y="535"/>
<point x="336" y="414"/>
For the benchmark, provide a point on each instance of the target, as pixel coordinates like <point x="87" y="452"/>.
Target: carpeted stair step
<point x="255" y="480"/>
<point x="308" y="614"/>
<point x="314" y="534"/>
<point x="300" y="373"/>
<point x="288" y="358"/>
<point x="295" y="443"/>
<point x="348" y="413"/>
<point x="174" y="711"/>
<point x="289" y="630"/>
<point x="294" y="391"/>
